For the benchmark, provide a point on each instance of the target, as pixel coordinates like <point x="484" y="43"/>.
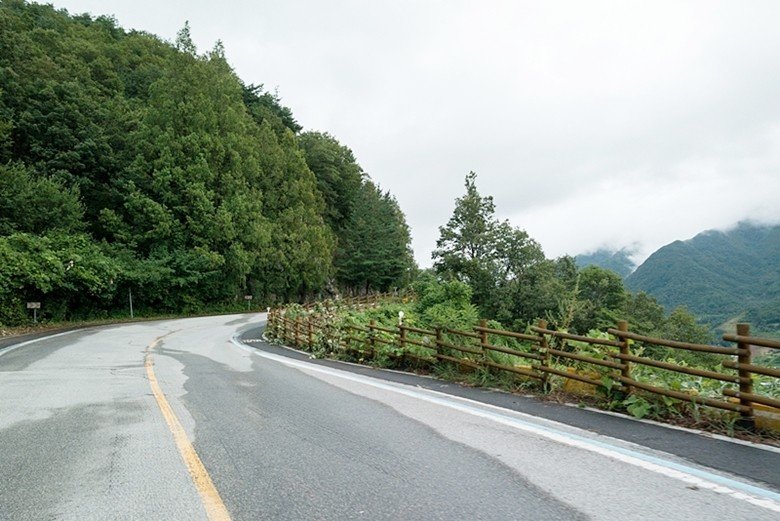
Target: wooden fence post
<point x="483" y="336"/>
<point x="483" y="339"/>
<point x="439" y="341"/>
<point x="283" y="321"/>
<point x="311" y="333"/>
<point x="544" y="348"/>
<point x="745" y="381"/>
<point x="622" y="325"/>
<point x="402" y="338"/>
<point x="297" y="337"/>
<point x="371" y="335"/>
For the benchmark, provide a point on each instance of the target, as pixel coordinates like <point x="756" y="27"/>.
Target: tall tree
<point x="602" y="295"/>
<point x="476" y="248"/>
<point x="339" y="176"/>
<point x="375" y="252"/>
<point x="266" y="106"/>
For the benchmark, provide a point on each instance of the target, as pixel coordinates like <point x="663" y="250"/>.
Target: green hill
<point x="617" y="261"/>
<point x="719" y="276"/>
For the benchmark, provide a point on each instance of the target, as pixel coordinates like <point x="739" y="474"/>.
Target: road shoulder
<point x="752" y="461"/>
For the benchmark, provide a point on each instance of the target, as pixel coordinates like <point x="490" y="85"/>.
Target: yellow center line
<point x="212" y="502"/>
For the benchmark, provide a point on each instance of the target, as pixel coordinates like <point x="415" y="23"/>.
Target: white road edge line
<point x="14" y="347"/>
<point x="701" y="478"/>
<point x="697" y="432"/>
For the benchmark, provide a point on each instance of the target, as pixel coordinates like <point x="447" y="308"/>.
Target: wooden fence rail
<point x="542" y="353"/>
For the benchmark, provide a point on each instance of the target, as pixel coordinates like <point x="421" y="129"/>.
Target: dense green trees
<point x="130" y="163"/>
<point x="474" y="247"/>
<point x="372" y="238"/>
<point x="339" y="177"/>
<point x="374" y="248"/>
<point x="36" y="204"/>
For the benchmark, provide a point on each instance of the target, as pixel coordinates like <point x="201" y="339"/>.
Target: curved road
<point x="180" y="420"/>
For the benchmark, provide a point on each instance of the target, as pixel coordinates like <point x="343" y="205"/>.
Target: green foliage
<point x="372" y="237"/>
<point x="265" y="106"/>
<point x="681" y="325"/>
<point x="64" y="272"/>
<point x="764" y="317"/>
<point x="374" y="251"/>
<point x="643" y="313"/>
<point x="768" y="359"/>
<point x="36" y="204"/>
<point x="339" y="177"/>
<point x="512" y="282"/>
<point x="489" y="255"/>
<point x="637" y="406"/>
<point x="444" y="303"/>
<point x="602" y="293"/>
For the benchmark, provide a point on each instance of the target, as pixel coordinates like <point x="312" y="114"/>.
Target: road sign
<point x="33" y="305"/>
<point x="247" y="297"/>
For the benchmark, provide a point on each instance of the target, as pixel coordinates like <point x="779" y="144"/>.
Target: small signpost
<point x="248" y="299"/>
<point x="35" y="306"/>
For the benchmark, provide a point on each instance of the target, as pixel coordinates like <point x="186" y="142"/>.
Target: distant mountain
<point x="719" y="276"/>
<point x="617" y="261"/>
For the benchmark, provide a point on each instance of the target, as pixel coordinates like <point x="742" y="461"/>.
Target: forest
<point x="132" y="164"/>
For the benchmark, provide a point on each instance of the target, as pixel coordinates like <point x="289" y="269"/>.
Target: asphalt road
<point x="180" y="420"/>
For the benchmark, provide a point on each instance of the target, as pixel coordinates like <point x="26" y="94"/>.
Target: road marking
<point x="13" y="347"/>
<point x="212" y="502"/>
<point x="701" y="478"/>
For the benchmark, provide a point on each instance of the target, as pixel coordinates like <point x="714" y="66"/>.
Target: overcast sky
<point x="591" y="123"/>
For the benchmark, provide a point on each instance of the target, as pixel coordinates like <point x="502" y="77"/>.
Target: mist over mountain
<point x="719" y="276"/>
<point x="617" y="261"/>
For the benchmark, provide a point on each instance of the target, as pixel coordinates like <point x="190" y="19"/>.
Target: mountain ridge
<point x="618" y="261"/>
<point x="718" y="275"/>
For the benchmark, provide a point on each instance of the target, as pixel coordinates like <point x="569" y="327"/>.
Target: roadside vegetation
<point x="491" y="275"/>
<point x="370" y="335"/>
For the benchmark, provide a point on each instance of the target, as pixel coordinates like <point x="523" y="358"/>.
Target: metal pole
<point x="130" y="292"/>
<point x="35" y="316"/>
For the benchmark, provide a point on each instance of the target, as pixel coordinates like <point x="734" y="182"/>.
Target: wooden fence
<point x="542" y="353"/>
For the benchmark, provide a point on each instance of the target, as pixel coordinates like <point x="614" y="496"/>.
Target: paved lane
<point x="82" y="437"/>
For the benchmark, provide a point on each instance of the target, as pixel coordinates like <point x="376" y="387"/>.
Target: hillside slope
<point x="718" y="275"/>
<point x="130" y="164"/>
<point x="617" y="261"/>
